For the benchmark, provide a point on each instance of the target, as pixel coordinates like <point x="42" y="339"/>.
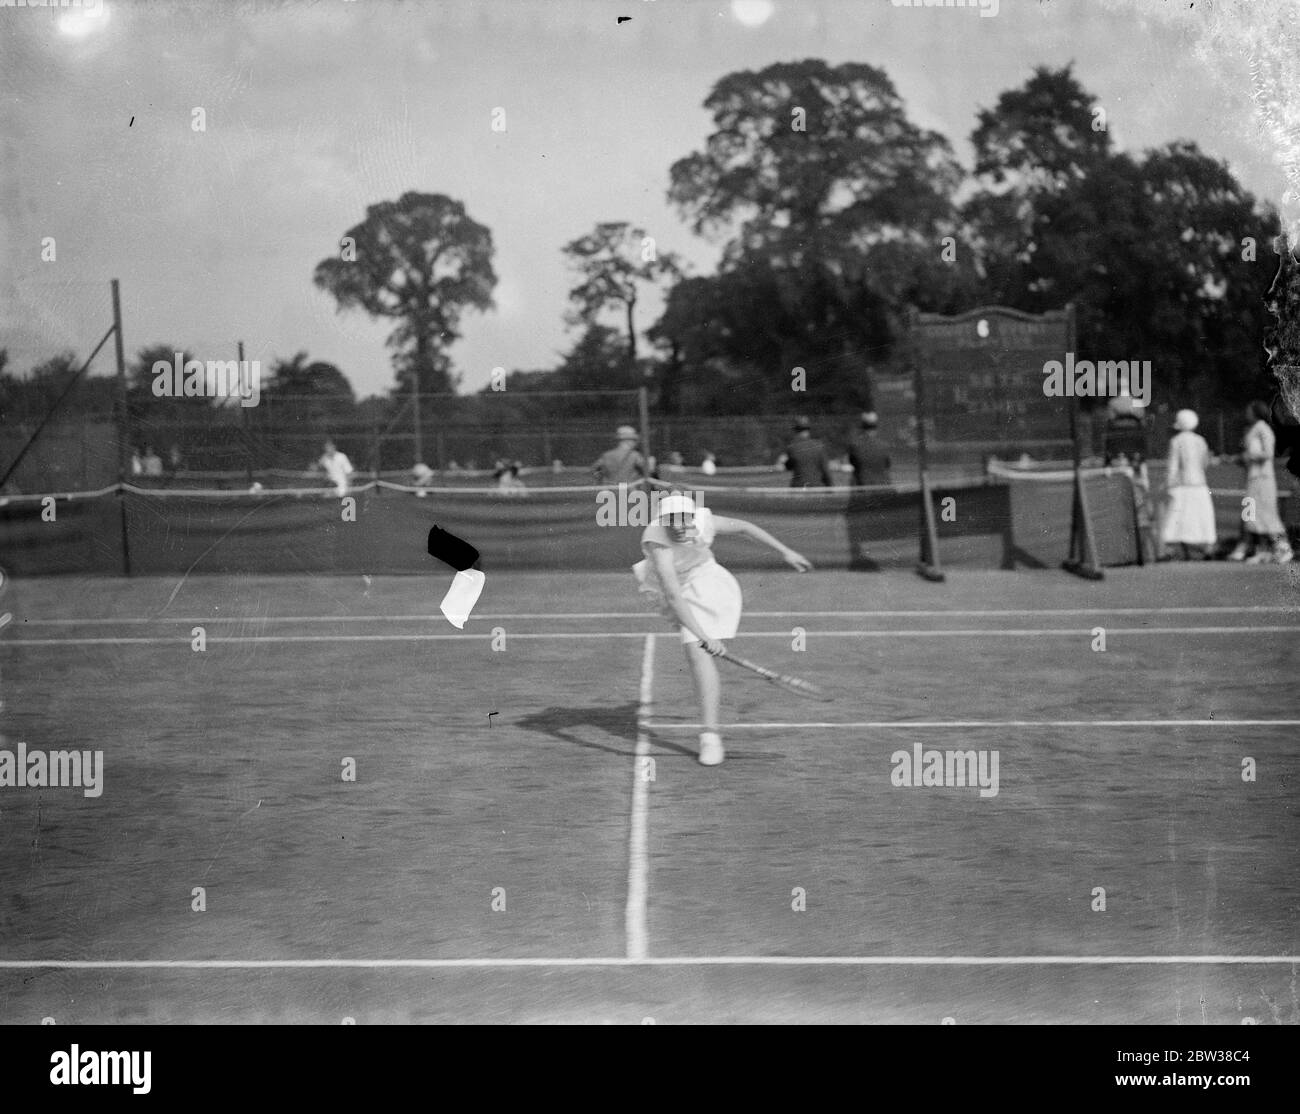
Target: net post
<point x="1082" y="560"/>
<point x="244" y="421"/>
<point x="415" y="398"/>
<point x="928" y="566"/>
<point x="125" y="423"/>
<point x="643" y="405"/>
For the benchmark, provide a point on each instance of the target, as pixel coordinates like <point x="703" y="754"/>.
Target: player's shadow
<point x="565" y="723"/>
<point x="861" y="519"/>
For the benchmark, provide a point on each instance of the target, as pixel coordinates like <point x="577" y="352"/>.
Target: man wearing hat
<point x="623" y="465"/>
<point x="869" y="460"/>
<point x="805" y="456"/>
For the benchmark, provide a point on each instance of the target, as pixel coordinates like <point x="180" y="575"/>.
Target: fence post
<point x="643" y="400"/>
<point x="124" y="428"/>
<point x="244" y="420"/>
<point x="419" y="441"/>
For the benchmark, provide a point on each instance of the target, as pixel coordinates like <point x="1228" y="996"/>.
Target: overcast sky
<point x="316" y="110"/>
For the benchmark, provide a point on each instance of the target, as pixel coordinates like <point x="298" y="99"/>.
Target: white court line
<point x="1253" y="610"/>
<point x="658" y="961"/>
<point x="955" y="723"/>
<point x="634" y="918"/>
<point x="1032" y="632"/>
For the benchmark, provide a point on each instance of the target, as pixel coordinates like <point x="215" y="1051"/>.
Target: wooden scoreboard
<point x="982" y="375"/>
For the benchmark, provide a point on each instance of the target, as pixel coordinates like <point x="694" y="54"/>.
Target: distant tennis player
<point x="337" y="467"/>
<point x="680" y="578"/>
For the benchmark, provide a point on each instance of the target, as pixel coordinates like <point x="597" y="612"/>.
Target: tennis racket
<point x="781" y="680"/>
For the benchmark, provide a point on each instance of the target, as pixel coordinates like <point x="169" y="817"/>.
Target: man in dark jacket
<point x="867" y="456"/>
<point x="805" y="456"/>
<point x="623" y="465"/>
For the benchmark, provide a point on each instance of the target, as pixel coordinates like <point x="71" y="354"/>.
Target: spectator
<point x="622" y="464"/>
<point x="675" y="464"/>
<point x="805" y="456"/>
<point x="557" y="466"/>
<point x="337" y="467"/>
<point x="1263" y="531"/>
<point x="868" y="458"/>
<point x="1189" y="515"/>
<point x="710" y="465"/>
<point x="422" y="475"/>
<point x="1126" y="435"/>
<point x="152" y="462"/>
<point x="175" y="462"/>
<point x="137" y="465"/>
<point x="506" y="474"/>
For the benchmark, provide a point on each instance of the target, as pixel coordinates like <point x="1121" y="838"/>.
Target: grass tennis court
<point x="630" y="883"/>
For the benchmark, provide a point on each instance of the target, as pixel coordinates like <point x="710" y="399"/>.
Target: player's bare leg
<point x="708" y="687"/>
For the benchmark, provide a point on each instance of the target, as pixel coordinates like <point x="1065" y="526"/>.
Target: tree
<point x="598" y="362"/>
<point x="1282" y="344"/>
<point x="142" y="404"/>
<point x="1149" y="249"/>
<point x="612" y="260"/>
<point x="297" y="377"/>
<point x="422" y="261"/>
<point x="49" y="380"/>
<point x="837" y="205"/>
<point x="1042" y="137"/>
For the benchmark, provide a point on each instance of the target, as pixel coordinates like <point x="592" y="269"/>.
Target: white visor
<point x="676" y="504"/>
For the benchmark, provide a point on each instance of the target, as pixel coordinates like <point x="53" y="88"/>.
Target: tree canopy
<point x="421" y="260"/>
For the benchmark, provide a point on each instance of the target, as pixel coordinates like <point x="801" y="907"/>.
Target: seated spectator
<point x="152" y="462"/>
<point x="507" y="477"/>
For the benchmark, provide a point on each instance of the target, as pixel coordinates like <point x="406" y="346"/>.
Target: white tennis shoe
<point x="711" y="752"/>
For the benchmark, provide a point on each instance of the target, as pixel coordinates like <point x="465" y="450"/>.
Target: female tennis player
<point x="680" y="578"/>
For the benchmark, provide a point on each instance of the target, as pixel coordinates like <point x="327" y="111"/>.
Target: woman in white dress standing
<point x="680" y="577"/>
<point x="1263" y="535"/>
<point x="1189" y="516"/>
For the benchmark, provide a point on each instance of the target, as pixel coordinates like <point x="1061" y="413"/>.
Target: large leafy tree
<point x="302" y="389"/>
<point x="832" y="204"/>
<point x="597" y="362"/>
<point x="422" y="261"/>
<point x="300" y="377"/>
<point x="142" y="404"/>
<point x="1282" y="343"/>
<point x="1150" y="249"/>
<point x="613" y="262"/>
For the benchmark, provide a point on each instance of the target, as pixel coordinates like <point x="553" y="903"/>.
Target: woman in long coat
<point x="1189" y="515"/>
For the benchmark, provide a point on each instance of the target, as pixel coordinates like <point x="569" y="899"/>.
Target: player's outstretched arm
<point x="757" y="533"/>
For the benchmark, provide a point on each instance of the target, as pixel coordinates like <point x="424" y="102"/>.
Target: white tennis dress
<point x="710" y="591"/>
